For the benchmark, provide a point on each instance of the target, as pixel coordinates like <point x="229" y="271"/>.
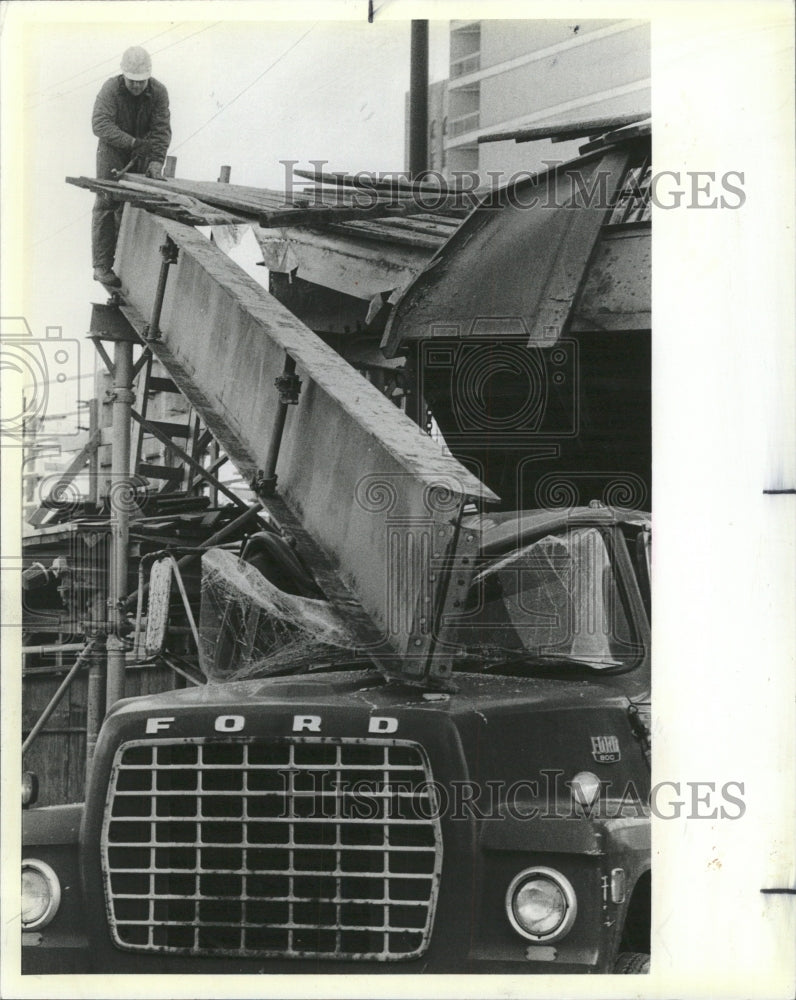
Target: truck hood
<point x="514" y="729"/>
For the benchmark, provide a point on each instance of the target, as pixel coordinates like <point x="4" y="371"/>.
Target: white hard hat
<point x="136" y="64"/>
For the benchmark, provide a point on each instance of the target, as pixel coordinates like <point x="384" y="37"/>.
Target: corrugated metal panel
<point x="518" y="259"/>
<point x="617" y="292"/>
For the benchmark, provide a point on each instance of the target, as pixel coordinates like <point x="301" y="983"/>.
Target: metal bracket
<point x="288" y="387"/>
<point x="119" y="395"/>
<point x="262" y="485"/>
<point x="106" y="360"/>
<point x="169" y="251"/>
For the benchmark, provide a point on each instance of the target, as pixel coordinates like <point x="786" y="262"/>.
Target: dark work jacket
<point x="120" y="118"/>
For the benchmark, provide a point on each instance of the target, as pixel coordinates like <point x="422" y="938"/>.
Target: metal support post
<point x="52" y="647"/>
<point x="93" y="459"/>
<point x="418" y="99"/>
<point x="288" y="386"/>
<point x="120" y="503"/>
<point x="169" y="252"/>
<point x="95" y="699"/>
<point x="214" y="454"/>
<point x="415" y="407"/>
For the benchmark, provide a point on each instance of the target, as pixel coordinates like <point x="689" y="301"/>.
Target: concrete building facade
<point x="506" y="75"/>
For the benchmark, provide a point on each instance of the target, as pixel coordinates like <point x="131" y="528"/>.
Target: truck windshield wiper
<point x="351" y="663"/>
<point x="488" y="663"/>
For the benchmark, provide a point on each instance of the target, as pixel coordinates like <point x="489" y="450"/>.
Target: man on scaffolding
<point x="132" y="122"/>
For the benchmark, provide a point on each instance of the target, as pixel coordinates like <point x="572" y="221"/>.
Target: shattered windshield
<point x="248" y="627"/>
<point x="553" y="602"/>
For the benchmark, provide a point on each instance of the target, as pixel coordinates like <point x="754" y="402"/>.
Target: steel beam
<point x="372" y="496"/>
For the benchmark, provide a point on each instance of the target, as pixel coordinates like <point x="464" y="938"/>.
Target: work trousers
<point x="106" y="219"/>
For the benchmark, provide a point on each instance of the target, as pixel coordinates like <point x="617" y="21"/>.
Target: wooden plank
<point x="377" y="183"/>
<point x="562" y="131"/>
<point x="621" y="135"/>
<point x="321" y="215"/>
<point x="237" y="198"/>
<point x="325" y="214"/>
<point x="274" y="207"/>
<point x="171" y="204"/>
<point x="375" y="231"/>
<point x="419" y="226"/>
<point x="157" y="383"/>
<point x="439" y="220"/>
<point x="189" y="203"/>
<point x="167" y="429"/>
<point x="150" y="471"/>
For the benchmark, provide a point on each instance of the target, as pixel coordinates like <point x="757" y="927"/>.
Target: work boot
<point x="106" y="276"/>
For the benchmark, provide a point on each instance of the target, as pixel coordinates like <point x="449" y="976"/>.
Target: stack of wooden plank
<point x="331" y="201"/>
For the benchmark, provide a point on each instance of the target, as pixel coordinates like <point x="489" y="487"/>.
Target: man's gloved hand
<point x="154" y="170"/>
<point x="141" y="146"/>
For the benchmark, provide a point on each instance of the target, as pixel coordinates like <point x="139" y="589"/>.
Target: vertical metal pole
<point x="268" y="481"/>
<point x="95" y="700"/>
<point x="418" y="99"/>
<point x="93" y="459"/>
<point x="224" y="175"/>
<point x="416" y="408"/>
<point x="169" y="252"/>
<point x="213" y="458"/>
<point x="120" y="502"/>
<point x="170" y="166"/>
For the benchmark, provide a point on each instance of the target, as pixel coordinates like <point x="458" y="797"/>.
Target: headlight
<point x="541" y="904"/>
<point x="41" y="894"/>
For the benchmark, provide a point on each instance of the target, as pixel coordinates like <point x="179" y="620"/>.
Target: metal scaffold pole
<point x="120" y="504"/>
<point x="418" y="99"/>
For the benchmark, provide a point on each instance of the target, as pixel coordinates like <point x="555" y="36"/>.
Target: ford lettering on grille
<point x="307" y="847"/>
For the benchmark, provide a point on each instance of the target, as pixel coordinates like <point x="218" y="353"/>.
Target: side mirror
<point x="30" y="788"/>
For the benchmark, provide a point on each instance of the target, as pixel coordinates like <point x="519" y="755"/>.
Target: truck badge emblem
<point x="605" y="749"/>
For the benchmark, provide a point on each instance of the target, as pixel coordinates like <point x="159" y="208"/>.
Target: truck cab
<point x="330" y="817"/>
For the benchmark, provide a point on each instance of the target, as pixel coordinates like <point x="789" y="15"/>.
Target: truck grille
<point x="310" y="847"/>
